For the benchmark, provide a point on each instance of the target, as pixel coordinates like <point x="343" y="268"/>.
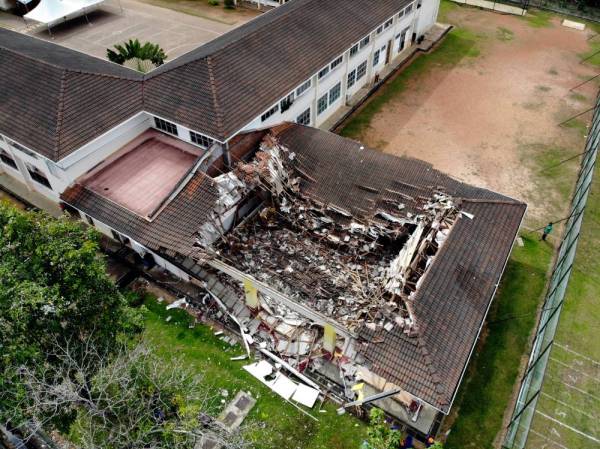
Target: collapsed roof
<point x="405" y="256"/>
<point x="64" y="99"/>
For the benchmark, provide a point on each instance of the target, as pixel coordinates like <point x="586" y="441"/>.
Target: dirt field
<point x="491" y="117"/>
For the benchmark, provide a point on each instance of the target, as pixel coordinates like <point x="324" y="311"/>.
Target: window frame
<point x="299" y="120"/>
<point x="365" y="41"/>
<point x="166" y="126"/>
<point x="286" y="102"/>
<point x="201" y="140"/>
<point x="269" y="113"/>
<point x="323" y="72"/>
<point x="362" y="67"/>
<point x="376" y="58"/>
<point x="302" y="88"/>
<point x="323" y="100"/>
<point x="336" y="63"/>
<point x="354" y="50"/>
<point x="4" y="156"/>
<point x="337" y="91"/>
<point x="38" y="176"/>
<point x="351" y="76"/>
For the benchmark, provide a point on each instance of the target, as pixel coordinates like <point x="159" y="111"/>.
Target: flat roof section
<point x="143" y="177"/>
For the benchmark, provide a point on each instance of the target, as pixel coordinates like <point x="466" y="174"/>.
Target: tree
<point x="133" y="401"/>
<point x="380" y="436"/>
<point x="140" y="57"/>
<point x="53" y="289"/>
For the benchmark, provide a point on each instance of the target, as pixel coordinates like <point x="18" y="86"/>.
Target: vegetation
<point x="273" y="423"/>
<point x="381" y="436"/>
<point x="140" y="57"/>
<point x="54" y="291"/>
<point x="493" y="373"/>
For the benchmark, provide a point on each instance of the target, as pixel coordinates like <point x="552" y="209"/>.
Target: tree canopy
<point x="137" y="55"/>
<point x="53" y="289"/>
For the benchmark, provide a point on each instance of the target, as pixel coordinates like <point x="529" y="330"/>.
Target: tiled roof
<point x="452" y="302"/>
<point x="172" y="233"/>
<point x="54" y="99"/>
<point x="220" y="87"/>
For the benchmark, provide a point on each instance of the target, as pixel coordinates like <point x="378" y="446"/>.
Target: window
<point x="38" y="176"/>
<point x="303" y="88"/>
<point x="401" y="14"/>
<point x="286" y="103"/>
<point x="408" y="9"/>
<point x="165" y="126"/>
<point x="269" y="113"/>
<point x="365" y="42"/>
<point x="376" y="57"/>
<point x="361" y="70"/>
<point x="324" y="71"/>
<point x="322" y="103"/>
<point x="402" y="39"/>
<point x="379" y="29"/>
<point x="7" y="159"/>
<point x="199" y="139"/>
<point x="21" y="148"/>
<point x="335" y="93"/>
<point x="337" y="62"/>
<point x="354" y="50"/>
<point x="90" y="220"/>
<point x="304" y="118"/>
<point x="116" y="235"/>
<point x="351" y="78"/>
<point x="388" y="24"/>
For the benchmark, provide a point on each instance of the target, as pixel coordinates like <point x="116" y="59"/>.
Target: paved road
<point x="176" y="32"/>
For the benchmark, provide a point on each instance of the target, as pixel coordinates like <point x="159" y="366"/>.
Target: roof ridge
<point x="428" y="361"/>
<point x="59" y="114"/>
<point x="213" y="90"/>
<point x="56" y="66"/>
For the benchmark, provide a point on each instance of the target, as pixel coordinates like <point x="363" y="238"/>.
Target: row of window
<point x="330" y="67"/>
<point x="329" y="98"/>
<point x="171" y="128"/>
<point x="388" y="23"/>
<point x="356" y="74"/>
<point x="406" y="11"/>
<point x="34" y="173"/>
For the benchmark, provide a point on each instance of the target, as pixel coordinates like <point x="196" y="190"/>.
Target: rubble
<point x="357" y="270"/>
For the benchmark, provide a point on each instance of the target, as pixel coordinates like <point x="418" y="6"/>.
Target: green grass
<point x="459" y="44"/>
<point x="578" y="329"/>
<point x="578" y="97"/>
<point x="493" y="372"/>
<point x="538" y="19"/>
<point x="284" y="426"/>
<point x="504" y="34"/>
<point x="446" y="8"/>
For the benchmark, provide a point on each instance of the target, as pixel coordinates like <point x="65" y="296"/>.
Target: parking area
<point x="117" y="21"/>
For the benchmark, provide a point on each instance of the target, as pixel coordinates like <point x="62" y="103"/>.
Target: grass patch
<point x="459" y="44"/>
<point x="577" y="329"/>
<point x="538" y="19"/>
<point x="578" y="125"/>
<point x="446" y="8"/>
<point x="281" y="425"/>
<point x="487" y="390"/>
<point x="541" y="88"/>
<point x="504" y="34"/>
<point x="578" y="97"/>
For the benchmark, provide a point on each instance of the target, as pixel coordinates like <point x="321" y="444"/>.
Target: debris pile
<point x="357" y="270"/>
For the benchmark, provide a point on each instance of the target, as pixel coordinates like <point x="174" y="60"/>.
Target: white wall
<point x="420" y="19"/>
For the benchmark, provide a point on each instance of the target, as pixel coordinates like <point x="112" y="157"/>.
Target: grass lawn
<point x="278" y="425"/>
<point x="578" y="331"/>
<point x="485" y="394"/>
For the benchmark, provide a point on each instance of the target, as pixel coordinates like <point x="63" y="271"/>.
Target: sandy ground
<point x="178" y="27"/>
<point x="483" y="119"/>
